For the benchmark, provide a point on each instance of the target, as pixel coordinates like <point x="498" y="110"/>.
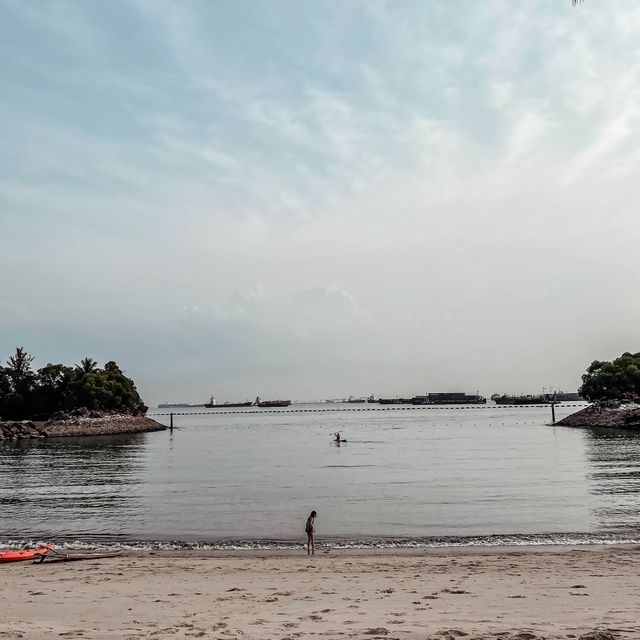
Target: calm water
<point x="405" y="477"/>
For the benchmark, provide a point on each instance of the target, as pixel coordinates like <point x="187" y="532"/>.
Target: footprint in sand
<point x="376" y="631"/>
<point x="452" y="634"/>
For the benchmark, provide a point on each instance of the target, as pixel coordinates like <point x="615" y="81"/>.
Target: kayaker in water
<point x="310" y="531"/>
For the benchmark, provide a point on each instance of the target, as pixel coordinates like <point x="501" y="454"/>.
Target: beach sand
<point x="499" y="593"/>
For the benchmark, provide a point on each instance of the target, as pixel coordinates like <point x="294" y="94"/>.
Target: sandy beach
<point x="501" y="594"/>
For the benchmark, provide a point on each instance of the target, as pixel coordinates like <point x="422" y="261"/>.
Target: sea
<point x="406" y="477"/>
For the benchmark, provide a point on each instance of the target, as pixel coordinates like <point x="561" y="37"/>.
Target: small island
<point x="61" y="401"/>
<point x="613" y="389"/>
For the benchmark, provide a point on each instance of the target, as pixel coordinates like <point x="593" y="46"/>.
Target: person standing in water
<point x="310" y="531"/>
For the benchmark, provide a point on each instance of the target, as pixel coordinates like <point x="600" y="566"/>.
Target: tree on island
<point x="25" y="394"/>
<point x="617" y="380"/>
<point x="87" y="365"/>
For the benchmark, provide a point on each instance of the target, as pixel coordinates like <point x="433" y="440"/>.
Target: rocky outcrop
<point x="22" y="430"/>
<point x="79" y="423"/>
<point x="619" y="414"/>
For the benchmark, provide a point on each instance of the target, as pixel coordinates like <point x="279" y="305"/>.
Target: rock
<point x="621" y="414"/>
<point x="598" y="635"/>
<point x="107" y="424"/>
<point x="141" y="410"/>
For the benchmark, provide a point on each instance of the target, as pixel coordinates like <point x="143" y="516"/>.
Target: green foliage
<point x="56" y="387"/>
<point x="106" y="390"/>
<point x="615" y="380"/>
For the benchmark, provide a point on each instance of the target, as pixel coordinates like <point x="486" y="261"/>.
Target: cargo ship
<point x="212" y="404"/>
<point x="563" y="396"/>
<point x="449" y="398"/>
<point x="271" y="403"/>
<point x="531" y="399"/>
<point x="177" y="405"/>
<point x="352" y="400"/>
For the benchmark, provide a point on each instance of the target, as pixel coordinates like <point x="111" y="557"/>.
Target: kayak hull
<point x="23" y="554"/>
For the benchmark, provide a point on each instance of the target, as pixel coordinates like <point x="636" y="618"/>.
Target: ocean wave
<point x="373" y="544"/>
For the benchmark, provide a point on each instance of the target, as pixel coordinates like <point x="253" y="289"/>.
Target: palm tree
<point x="87" y="365"/>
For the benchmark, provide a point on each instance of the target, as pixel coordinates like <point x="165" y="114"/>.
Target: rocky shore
<point x="618" y="414"/>
<point x="90" y="424"/>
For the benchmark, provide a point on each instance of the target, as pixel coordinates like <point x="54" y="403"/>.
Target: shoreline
<point x="74" y="427"/>
<point x="168" y="546"/>
<point x="588" y="594"/>
<point x="373" y="552"/>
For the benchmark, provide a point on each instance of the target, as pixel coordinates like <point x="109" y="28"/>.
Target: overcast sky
<point x="312" y="199"/>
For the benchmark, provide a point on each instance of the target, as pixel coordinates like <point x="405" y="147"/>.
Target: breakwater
<point x="78" y="426"/>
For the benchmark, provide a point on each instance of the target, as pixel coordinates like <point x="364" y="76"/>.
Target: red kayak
<point x="24" y="554"/>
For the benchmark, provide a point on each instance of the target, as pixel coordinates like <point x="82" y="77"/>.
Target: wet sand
<point x="585" y="593"/>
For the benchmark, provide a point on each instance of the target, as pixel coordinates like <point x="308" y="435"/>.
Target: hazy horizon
<point x="321" y="199"/>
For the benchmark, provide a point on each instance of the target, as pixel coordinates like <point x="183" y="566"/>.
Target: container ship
<point x="449" y="398"/>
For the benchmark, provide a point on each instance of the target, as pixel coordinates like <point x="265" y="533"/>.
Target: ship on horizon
<point x="212" y="404"/>
<point x="449" y="398"/>
<point x="434" y="399"/>
<point x="271" y="403"/>
<point x="177" y="405"/>
<point x="540" y="398"/>
<point x="524" y="399"/>
<point x="349" y="400"/>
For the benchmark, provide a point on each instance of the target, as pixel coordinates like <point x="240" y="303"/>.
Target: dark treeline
<point x="617" y="380"/>
<point x="37" y="395"/>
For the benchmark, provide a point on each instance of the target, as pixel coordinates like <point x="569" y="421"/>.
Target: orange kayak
<point x="23" y="554"/>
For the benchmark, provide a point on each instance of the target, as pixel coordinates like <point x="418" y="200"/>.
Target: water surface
<point x="404" y="478"/>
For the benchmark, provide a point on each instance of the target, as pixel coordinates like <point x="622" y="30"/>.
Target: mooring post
<point x="171" y="421"/>
<point x="553" y="413"/>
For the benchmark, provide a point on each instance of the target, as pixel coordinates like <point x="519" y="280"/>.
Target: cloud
<point x="315" y="196"/>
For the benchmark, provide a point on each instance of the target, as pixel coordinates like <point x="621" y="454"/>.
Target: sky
<point x="319" y="199"/>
